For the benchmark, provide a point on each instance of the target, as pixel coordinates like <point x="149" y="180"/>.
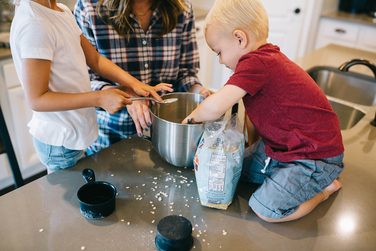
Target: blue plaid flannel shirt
<point x="148" y="57"/>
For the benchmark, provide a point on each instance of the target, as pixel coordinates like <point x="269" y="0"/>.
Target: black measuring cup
<point x="174" y="233"/>
<point x="97" y="198"/>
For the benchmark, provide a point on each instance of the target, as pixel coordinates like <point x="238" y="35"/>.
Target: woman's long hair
<point x="119" y="11"/>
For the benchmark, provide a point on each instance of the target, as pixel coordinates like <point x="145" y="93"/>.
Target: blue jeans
<point x="286" y="185"/>
<point x="57" y="157"/>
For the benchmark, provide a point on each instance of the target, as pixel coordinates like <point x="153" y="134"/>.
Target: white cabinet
<point x="205" y="56"/>
<point x="27" y="156"/>
<point x="367" y="38"/>
<point x="286" y="22"/>
<point x="212" y="74"/>
<point x="17" y="114"/>
<point x="344" y="33"/>
<point x="290" y="22"/>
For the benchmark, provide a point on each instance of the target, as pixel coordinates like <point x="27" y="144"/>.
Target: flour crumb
<point x="83" y="248"/>
<point x="41" y="230"/>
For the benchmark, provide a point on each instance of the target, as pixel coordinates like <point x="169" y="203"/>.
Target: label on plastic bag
<point x="217" y="173"/>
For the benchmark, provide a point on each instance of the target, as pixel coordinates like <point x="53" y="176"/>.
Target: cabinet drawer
<point x="338" y="30"/>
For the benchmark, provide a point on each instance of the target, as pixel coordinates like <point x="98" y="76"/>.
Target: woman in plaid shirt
<point x="154" y="41"/>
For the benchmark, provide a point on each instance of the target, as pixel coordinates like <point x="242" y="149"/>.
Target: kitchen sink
<point x="350" y="94"/>
<point x="348" y="116"/>
<point x="350" y="86"/>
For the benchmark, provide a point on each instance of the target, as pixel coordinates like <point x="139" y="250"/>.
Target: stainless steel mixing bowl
<point x="176" y="143"/>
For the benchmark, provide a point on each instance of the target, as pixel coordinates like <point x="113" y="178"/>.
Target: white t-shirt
<point x="41" y="33"/>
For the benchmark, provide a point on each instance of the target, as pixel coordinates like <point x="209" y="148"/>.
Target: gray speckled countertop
<point x="45" y="215"/>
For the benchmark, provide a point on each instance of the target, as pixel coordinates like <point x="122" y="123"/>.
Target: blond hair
<point x="232" y="15"/>
<point x="119" y="11"/>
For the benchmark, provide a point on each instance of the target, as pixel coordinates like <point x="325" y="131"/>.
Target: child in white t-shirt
<point x="51" y="56"/>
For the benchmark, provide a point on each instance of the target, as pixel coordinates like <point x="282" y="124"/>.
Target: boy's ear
<point x="241" y="36"/>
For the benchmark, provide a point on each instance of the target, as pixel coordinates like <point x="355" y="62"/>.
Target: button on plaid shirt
<point x="148" y="57"/>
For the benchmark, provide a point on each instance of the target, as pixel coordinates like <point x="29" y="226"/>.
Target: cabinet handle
<point x="197" y="29"/>
<point x="297" y="10"/>
<point x="340" y="31"/>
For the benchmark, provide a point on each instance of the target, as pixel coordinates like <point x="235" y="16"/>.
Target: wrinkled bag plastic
<point x="218" y="162"/>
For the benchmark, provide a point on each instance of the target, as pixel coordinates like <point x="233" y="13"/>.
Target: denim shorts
<point x="286" y="185"/>
<point x="57" y="157"/>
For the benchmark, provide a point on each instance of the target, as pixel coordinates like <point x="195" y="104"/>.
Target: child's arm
<point x="36" y="76"/>
<point x="217" y="104"/>
<point x="107" y="69"/>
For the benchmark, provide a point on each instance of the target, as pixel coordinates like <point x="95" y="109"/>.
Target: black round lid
<point x="174" y="232"/>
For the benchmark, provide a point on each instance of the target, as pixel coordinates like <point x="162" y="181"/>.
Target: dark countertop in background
<point x="5" y="53"/>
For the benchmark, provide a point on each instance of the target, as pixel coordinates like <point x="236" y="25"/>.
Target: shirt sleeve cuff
<point x="98" y="85"/>
<point x="188" y="82"/>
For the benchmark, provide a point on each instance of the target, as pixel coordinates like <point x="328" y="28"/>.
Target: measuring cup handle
<point x="88" y="175"/>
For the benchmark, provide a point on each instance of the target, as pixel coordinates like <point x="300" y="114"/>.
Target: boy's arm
<point x="107" y="69"/>
<point x="214" y="106"/>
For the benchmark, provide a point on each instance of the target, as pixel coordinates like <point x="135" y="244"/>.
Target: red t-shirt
<point x="286" y="106"/>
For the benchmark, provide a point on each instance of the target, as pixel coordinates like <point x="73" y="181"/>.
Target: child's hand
<point x="145" y="90"/>
<point x="113" y="100"/>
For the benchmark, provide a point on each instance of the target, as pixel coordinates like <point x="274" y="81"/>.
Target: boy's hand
<point x="112" y="100"/>
<point x="189" y="120"/>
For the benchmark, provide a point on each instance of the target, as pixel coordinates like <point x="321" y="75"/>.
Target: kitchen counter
<point x="351" y="17"/>
<point x="335" y="55"/>
<point x="45" y="215"/>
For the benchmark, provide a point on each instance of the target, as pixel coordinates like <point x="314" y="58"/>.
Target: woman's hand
<point x="206" y="93"/>
<point x="139" y="111"/>
<point x="196" y="88"/>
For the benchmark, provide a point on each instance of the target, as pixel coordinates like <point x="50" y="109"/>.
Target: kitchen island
<point x="45" y="214"/>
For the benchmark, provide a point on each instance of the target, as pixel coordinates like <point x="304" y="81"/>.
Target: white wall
<point x="69" y="3"/>
<point x="204" y="4"/>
